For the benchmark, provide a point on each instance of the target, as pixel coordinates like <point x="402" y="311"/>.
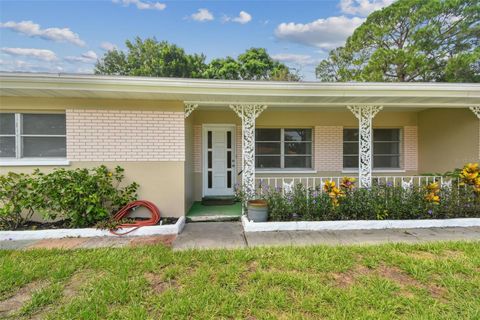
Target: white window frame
<point x="19" y="160"/>
<point x="282" y="152"/>
<point x="378" y="169"/>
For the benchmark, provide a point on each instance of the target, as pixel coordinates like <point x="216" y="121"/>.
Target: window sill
<point x="33" y="162"/>
<point x="285" y="171"/>
<point x="376" y="171"/>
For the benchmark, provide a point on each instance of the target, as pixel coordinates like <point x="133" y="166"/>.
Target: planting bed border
<point x="250" y="226"/>
<point x="168" y="229"/>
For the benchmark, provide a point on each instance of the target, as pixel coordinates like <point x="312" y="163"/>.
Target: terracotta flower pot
<point x="257" y="210"/>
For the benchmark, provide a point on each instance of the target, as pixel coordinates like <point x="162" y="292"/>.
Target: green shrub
<point x="17" y="200"/>
<point x="81" y="197"/>
<point x="377" y="203"/>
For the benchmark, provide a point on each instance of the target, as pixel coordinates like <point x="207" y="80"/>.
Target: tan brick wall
<point x="328" y="148"/>
<point x="125" y="135"/>
<point x="410" y="148"/>
<point x="197" y="148"/>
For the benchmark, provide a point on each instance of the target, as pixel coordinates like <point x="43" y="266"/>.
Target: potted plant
<point x="257" y="210"/>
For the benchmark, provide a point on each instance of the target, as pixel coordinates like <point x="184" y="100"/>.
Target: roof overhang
<point x="216" y="93"/>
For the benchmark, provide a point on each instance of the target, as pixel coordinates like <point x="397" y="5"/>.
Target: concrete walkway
<point x="231" y="235"/>
<point x="203" y="235"/>
<point x="87" y="243"/>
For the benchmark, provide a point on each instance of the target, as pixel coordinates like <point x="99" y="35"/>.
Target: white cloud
<point x="243" y="18"/>
<point x="363" y="7"/>
<point x="300" y="59"/>
<point x="41" y="54"/>
<point x="141" y="5"/>
<point x="108" y="46"/>
<point x="322" y="33"/>
<point x="202" y="15"/>
<point x="87" y="57"/>
<point x="31" y="29"/>
<point x="16" y="65"/>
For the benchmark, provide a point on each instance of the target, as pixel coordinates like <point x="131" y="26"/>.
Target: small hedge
<point x="377" y="203"/>
<point x="459" y="199"/>
<point x="80" y="197"/>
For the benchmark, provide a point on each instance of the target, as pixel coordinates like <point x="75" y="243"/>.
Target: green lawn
<point x="429" y="281"/>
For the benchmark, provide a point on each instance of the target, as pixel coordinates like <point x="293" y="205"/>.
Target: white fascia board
<point x="31" y="80"/>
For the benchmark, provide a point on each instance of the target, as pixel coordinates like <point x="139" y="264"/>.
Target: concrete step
<point x="218" y="200"/>
<point x="213" y="218"/>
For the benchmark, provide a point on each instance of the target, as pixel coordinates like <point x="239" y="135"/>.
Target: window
<point x="386" y="148"/>
<point x="29" y="135"/>
<point x="283" y="148"/>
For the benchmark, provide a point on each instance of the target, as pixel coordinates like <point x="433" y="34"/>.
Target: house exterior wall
<point x="190" y="146"/>
<point x="125" y="135"/>
<point x="147" y="138"/>
<point x="327" y="129"/>
<point x="162" y="151"/>
<point x="448" y="138"/>
<point x="328" y="148"/>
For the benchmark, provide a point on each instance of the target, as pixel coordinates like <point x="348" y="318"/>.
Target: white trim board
<point x="168" y="229"/>
<point x="250" y="226"/>
<point x="33" y="162"/>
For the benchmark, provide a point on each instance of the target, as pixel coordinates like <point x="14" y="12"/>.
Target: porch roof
<point x="221" y="93"/>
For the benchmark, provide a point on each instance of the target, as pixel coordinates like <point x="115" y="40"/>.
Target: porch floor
<point x="198" y="210"/>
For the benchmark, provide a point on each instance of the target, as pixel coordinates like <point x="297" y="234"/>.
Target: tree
<point x="152" y="58"/>
<point x="411" y="40"/>
<point x="256" y="64"/>
<point x="227" y="68"/>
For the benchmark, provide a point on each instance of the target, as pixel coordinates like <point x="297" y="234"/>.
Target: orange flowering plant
<point x="432" y="196"/>
<point x="470" y="175"/>
<point x="333" y="192"/>
<point x="348" y="183"/>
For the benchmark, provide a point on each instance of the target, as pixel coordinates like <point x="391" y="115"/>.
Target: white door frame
<point x="205" y="128"/>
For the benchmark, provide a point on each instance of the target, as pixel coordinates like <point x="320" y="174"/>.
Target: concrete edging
<point x="250" y="226"/>
<point x="169" y="229"/>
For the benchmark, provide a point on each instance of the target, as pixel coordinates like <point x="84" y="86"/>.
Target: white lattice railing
<point x="312" y="182"/>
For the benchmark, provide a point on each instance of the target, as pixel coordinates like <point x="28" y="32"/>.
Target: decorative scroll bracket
<point x="248" y="113"/>
<point x="189" y="108"/>
<point x="365" y="115"/>
<point x="476" y="110"/>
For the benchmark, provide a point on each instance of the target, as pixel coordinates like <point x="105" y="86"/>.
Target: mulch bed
<point x="34" y="225"/>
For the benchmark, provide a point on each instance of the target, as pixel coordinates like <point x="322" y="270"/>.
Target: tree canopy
<point x="411" y="40"/>
<point x="154" y="58"/>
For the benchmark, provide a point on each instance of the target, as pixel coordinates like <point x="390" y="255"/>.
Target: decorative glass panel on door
<point x="209" y="160"/>
<point x="229" y="159"/>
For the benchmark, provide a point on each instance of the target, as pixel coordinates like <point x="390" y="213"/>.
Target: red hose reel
<point x="153" y="220"/>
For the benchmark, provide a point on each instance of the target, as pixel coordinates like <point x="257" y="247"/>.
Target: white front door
<point x="218" y="160"/>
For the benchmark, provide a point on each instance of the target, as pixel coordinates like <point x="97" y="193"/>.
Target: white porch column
<point x="248" y="113"/>
<point x="365" y="115"/>
<point x="189" y="107"/>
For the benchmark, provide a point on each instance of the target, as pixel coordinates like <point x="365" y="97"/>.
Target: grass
<point x="393" y="281"/>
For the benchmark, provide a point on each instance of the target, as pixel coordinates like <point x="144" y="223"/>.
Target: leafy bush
<point x="82" y="197"/>
<point x="17" y="200"/>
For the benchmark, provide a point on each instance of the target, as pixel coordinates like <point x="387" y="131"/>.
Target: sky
<point x="65" y="36"/>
